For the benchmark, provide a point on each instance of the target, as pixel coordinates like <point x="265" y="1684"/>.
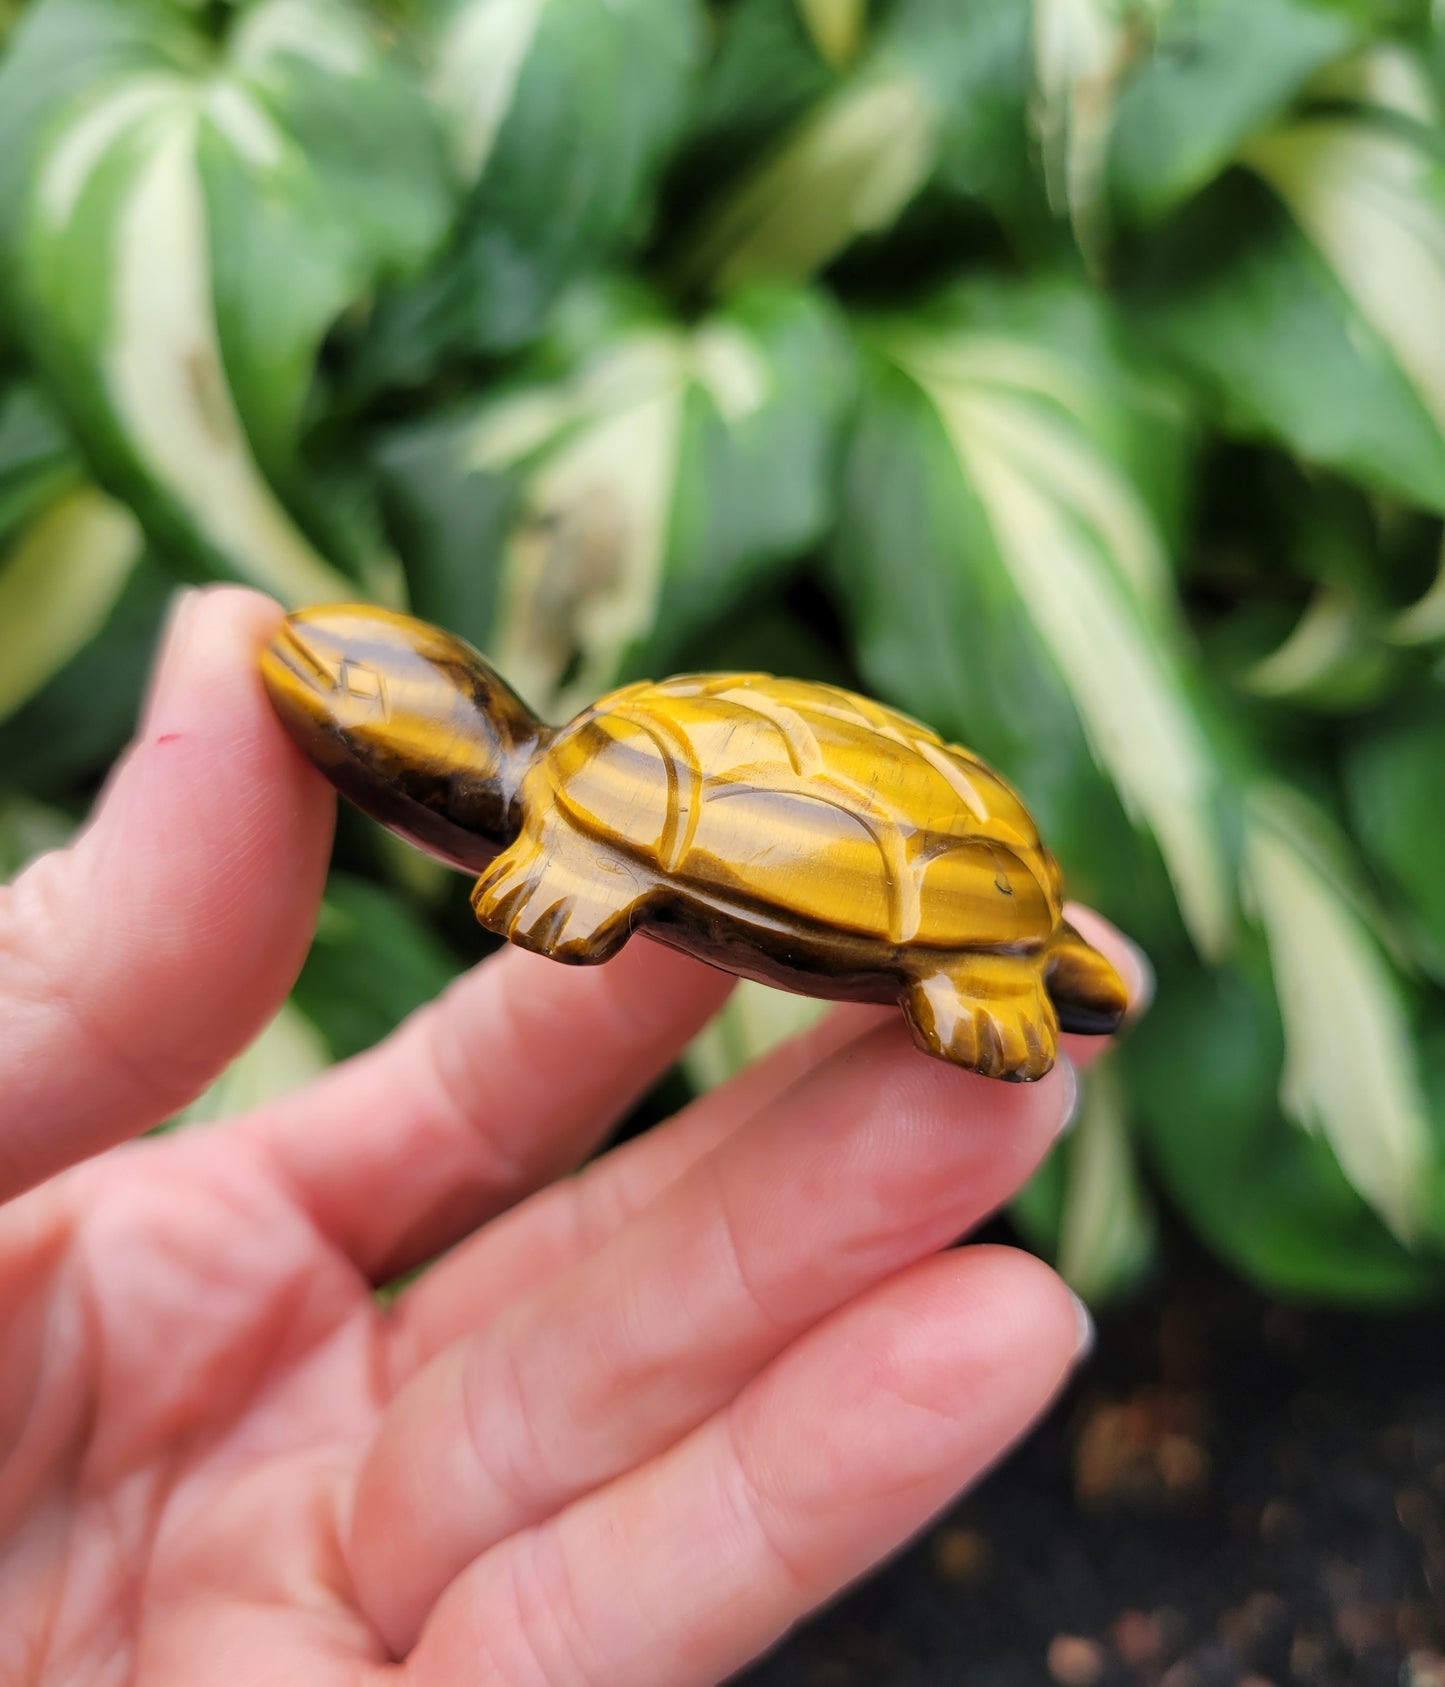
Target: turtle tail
<point x="1088" y="994"/>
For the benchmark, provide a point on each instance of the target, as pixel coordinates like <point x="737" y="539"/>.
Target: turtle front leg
<point x="559" y="896"/>
<point x="990" y="1013"/>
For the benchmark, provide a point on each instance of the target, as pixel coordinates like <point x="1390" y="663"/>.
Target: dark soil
<point x="1234" y="1493"/>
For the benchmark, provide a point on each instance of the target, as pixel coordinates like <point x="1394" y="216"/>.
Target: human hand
<point x="631" y="1427"/>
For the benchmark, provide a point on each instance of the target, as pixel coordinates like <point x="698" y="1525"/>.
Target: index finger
<point x="136" y="963"/>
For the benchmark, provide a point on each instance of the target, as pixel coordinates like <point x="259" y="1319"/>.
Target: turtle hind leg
<point x="1088" y="994"/>
<point x="570" y="904"/>
<point x="990" y="1013"/>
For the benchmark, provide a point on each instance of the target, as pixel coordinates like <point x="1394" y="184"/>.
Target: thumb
<point x="136" y="963"/>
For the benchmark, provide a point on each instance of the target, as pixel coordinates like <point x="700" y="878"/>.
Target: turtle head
<point x="409" y="723"/>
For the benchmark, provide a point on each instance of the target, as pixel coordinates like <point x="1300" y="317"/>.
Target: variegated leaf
<point x="287" y="1054"/>
<point x="1424" y="621"/>
<point x="836" y="27"/>
<point x="620" y="509"/>
<point x="1384" y="74"/>
<point x="558" y="165"/>
<point x="1082" y="52"/>
<point x="751" y="1023"/>
<point x="1106" y="1228"/>
<point x="1372" y="202"/>
<point x="1043" y="559"/>
<point x="1217" y="72"/>
<point x="27" y="829"/>
<point x="149" y="201"/>
<point x="1313" y="322"/>
<point x="1351" y="1071"/>
<point x="1330" y="657"/>
<point x="59" y="582"/>
<point x="847" y="170"/>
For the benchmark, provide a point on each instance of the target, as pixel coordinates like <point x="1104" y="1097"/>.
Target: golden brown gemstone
<point x="788" y="831"/>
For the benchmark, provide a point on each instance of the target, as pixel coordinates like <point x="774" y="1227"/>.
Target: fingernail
<point x="1073" y="1096"/>
<point x="1142" y="992"/>
<point x="1084" y="1345"/>
<point x="170" y="663"/>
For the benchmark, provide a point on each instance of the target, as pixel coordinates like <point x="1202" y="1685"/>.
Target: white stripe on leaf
<point x="88" y="141"/>
<point x="166" y="380"/>
<point x="753" y="1021"/>
<point x="58" y="585"/>
<point x="1054" y="504"/>
<point x="836" y="27"/>
<point x="1350" y="1069"/>
<point x="582" y="568"/>
<point x="1384" y="74"/>
<point x="1330" y="646"/>
<point x="849" y="170"/>
<point x="246" y="124"/>
<point x="1105" y="1230"/>
<point x="729" y="364"/>
<point x="1082" y="50"/>
<point x="1424" y="621"/>
<point x="286" y="1055"/>
<point x="479" y="63"/>
<point x="1372" y="200"/>
<point x="318" y="31"/>
<point x="1057" y="454"/>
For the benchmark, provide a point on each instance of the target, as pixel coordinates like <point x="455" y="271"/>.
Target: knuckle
<point x="550" y="1625"/>
<point x="750" y="1496"/>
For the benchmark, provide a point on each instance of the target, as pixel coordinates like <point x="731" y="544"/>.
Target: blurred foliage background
<point x="1070" y="373"/>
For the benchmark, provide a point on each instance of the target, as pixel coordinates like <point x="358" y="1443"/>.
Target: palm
<point x="629" y="1427"/>
<point x="201" y="1435"/>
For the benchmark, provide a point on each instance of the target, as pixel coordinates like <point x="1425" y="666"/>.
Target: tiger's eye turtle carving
<point x="787" y="831"/>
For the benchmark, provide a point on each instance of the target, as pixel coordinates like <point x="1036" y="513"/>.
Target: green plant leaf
<point x="1371" y="200"/>
<point x="763" y="72"/>
<point x="37" y="459"/>
<point x="751" y="1023"/>
<point x="150" y="199"/>
<point x="1424" y="621"/>
<point x="1006" y="580"/>
<point x="1350" y="1067"/>
<point x="836" y="27"/>
<point x="1083" y="50"/>
<point x="74" y="724"/>
<point x="1329" y="649"/>
<point x="598" y="522"/>
<point x="558" y="166"/>
<point x="1203" y="1068"/>
<point x="1086" y="1207"/>
<point x="27" y="829"/>
<point x="1394" y="779"/>
<point x="1384" y="74"/>
<point x="847" y="170"/>
<point x="1106" y="1229"/>
<point x="58" y="584"/>
<point x="371" y="963"/>
<point x="1309" y="314"/>
<point x="1219" y="71"/>
<point x="286" y="1055"/>
<point x="941" y="96"/>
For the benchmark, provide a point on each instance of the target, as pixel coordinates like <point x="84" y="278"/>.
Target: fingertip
<point x="924" y="1090"/>
<point x="179" y="918"/>
<point x="204" y="624"/>
<point x="1020" y="1314"/>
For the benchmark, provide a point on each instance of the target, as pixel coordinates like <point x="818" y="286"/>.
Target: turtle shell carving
<point x="811" y="801"/>
<point x="786" y="830"/>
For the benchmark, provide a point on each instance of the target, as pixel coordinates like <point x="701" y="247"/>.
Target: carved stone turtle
<point x="784" y="830"/>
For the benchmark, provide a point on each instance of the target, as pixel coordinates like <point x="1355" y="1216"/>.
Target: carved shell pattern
<point x="806" y="773"/>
